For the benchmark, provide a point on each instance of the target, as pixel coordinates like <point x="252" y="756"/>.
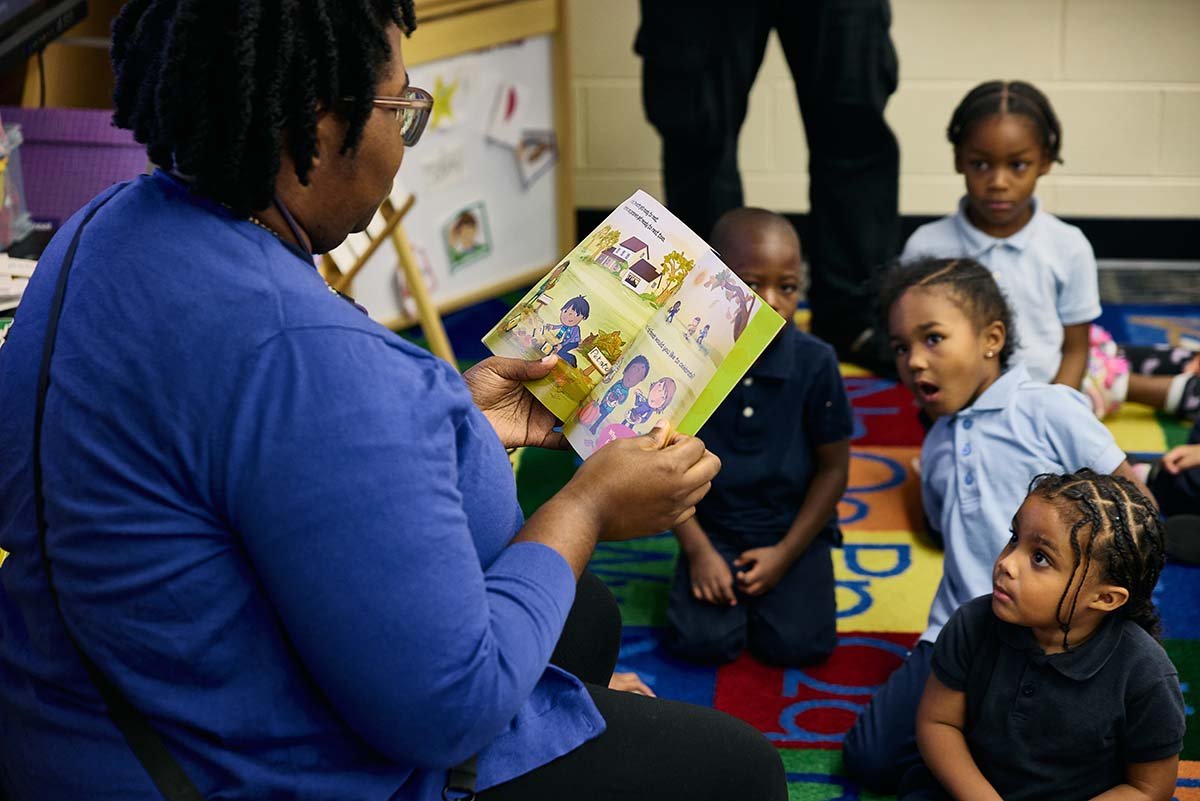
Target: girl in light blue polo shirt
<point x="1005" y="136"/>
<point x="995" y="429"/>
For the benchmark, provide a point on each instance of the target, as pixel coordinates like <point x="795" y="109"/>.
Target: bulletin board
<point x="477" y="48"/>
<point x="491" y="175"/>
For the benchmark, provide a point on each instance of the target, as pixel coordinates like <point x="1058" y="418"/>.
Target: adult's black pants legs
<point x="652" y="748"/>
<point x="657" y="749"/>
<point x="700" y="60"/>
<point x="591" y="638"/>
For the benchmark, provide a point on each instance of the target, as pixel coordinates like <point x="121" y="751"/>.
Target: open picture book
<point x="648" y="325"/>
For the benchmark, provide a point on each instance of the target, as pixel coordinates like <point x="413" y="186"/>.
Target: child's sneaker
<point x="1106" y="381"/>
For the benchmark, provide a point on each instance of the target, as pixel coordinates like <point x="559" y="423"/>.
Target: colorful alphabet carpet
<point x="887" y="574"/>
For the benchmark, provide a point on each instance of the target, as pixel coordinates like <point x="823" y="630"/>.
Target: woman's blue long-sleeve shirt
<point x="281" y="530"/>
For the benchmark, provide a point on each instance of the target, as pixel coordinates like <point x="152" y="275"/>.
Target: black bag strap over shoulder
<point x="166" y="773"/>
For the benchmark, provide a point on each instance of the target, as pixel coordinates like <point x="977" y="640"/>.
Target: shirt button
<point x="748" y="412"/>
<point x="1027" y="690"/>
<point x="966" y="423"/>
<point x="747" y="381"/>
<point x="966" y="449"/>
<point x="969" y="479"/>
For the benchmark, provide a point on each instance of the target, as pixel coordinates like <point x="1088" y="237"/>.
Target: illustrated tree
<point x="604" y="238"/>
<point x="675" y="267"/>
<point x="720" y="279"/>
<point x="601" y="231"/>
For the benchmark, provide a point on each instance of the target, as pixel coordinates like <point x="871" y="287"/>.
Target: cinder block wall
<point x="1124" y="75"/>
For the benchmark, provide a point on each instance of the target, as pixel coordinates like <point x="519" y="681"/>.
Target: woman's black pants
<point x="652" y="748"/>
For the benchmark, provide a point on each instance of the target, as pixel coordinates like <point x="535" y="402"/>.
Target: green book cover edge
<point x="759" y="333"/>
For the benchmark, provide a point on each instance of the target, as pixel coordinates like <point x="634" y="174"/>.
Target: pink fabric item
<point x="1107" y="378"/>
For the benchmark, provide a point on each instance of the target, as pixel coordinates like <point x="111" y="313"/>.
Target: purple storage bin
<point x="14" y="217"/>
<point x="69" y="155"/>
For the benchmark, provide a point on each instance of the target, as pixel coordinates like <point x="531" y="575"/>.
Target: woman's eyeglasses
<point x="412" y="112"/>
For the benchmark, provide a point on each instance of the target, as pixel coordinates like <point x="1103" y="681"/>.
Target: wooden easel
<point x="387" y="226"/>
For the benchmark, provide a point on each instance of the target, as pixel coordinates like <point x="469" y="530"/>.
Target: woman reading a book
<point x="269" y="542"/>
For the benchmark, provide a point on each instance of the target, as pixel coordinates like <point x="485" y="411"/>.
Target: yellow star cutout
<point x="443" y="106"/>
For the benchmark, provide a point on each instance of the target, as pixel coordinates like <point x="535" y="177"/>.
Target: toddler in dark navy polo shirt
<point x="754" y="566"/>
<point x="1055" y="686"/>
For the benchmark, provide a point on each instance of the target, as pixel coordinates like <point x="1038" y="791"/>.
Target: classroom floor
<point x="886" y="574"/>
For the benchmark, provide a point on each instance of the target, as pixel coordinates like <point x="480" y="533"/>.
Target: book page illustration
<point x="597" y="300"/>
<point x="693" y="348"/>
<point x="642" y="314"/>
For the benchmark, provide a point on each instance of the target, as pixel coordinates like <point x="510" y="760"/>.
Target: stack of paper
<point x="14" y="277"/>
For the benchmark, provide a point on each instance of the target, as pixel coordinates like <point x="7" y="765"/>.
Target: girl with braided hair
<point x="1055" y="685"/>
<point x="260" y="544"/>
<point x="1006" y="135"/>
<point x="994" y="429"/>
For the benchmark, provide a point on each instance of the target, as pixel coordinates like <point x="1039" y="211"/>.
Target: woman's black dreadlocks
<point x="215" y="89"/>
<point x="1126" y="538"/>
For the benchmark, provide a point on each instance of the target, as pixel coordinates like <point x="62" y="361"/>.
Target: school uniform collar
<point x="979" y="243"/>
<point x="778" y="359"/>
<point x="1000" y="393"/>
<point x="1078" y="664"/>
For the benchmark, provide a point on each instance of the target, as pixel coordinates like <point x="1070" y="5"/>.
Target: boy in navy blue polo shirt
<point x="754" y="567"/>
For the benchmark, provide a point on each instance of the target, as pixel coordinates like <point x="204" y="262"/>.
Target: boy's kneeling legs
<point x="699" y="631"/>
<point x="795" y="622"/>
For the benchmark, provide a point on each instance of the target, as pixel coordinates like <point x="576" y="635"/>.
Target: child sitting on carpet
<point x="995" y="429"/>
<point x="754" y="567"/>
<point x="1055" y="686"/>
<point x="1005" y="136"/>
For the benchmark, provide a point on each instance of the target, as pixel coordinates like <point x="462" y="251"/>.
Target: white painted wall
<point x="1124" y="76"/>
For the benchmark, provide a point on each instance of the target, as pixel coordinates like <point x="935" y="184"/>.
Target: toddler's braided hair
<point x="1125" y="538"/>
<point x="1007" y="97"/>
<point x="216" y="89"/>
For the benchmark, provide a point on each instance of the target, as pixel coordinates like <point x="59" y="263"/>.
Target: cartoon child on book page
<point x="566" y="336"/>
<point x="657" y="398"/>
<point x="592" y="415"/>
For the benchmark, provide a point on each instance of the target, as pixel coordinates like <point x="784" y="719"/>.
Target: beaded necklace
<point x="263" y="225"/>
